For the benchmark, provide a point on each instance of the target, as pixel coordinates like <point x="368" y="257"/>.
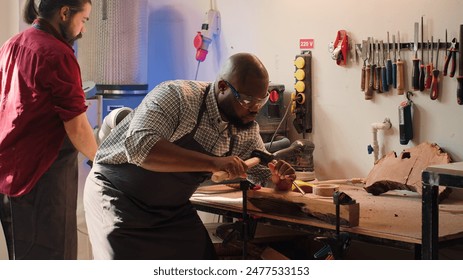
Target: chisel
<point x="416" y="61"/>
<point x="364" y="58"/>
<point x="378" y="77"/>
<point x="460" y="69"/>
<point x="394" y="64"/>
<point x="388" y="63"/>
<point x="373" y="80"/>
<point x="422" y="67"/>
<point x="400" y="70"/>
<point x="368" y="83"/>
<point x="384" y="83"/>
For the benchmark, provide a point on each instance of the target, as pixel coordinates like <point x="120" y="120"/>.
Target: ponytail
<point x="48" y="8"/>
<point x="30" y="12"/>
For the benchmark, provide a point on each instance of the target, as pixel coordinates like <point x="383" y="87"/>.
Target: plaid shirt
<point x="170" y="111"/>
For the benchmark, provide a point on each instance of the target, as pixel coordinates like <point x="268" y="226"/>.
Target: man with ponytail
<point x="43" y="126"/>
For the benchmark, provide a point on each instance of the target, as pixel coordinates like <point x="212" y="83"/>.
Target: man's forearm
<point x="81" y="135"/>
<point x="169" y="157"/>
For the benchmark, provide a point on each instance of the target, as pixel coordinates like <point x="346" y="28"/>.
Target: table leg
<point x="430" y="222"/>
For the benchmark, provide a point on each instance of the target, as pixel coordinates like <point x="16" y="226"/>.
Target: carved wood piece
<point x="403" y="171"/>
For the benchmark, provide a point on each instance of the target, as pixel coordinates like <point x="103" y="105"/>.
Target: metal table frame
<point x="450" y="175"/>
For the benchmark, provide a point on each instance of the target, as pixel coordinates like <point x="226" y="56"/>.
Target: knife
<point x="460" y="69"/>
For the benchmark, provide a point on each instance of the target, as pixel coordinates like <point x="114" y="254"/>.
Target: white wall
<point x="9" y="18"/>
<point x="342" y="118"/>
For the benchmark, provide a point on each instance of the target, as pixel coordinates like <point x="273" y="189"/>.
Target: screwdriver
<point x="429" y="67"/>
<point x="435" y="76"/>
<point x="422" y="67"/>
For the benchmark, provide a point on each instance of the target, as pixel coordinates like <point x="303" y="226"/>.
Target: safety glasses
<point x="247" y="101"/>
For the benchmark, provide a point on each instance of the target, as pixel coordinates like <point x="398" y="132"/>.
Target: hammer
<point x="256" y="158"/>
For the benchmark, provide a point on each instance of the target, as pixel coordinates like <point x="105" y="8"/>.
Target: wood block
<point x="294" y="204"/>
<point x="326" y="190"/>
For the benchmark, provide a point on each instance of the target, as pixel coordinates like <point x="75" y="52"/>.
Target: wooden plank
<point x="308" y="205"/>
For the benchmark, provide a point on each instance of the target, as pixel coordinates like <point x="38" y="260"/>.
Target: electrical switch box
<point x="302" y="97"/>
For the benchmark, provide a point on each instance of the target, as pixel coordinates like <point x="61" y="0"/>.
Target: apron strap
<point x="201" y="110"/>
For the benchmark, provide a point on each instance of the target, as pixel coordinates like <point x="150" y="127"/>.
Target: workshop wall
<point x="9" y="16"/>
<point x="271" y="29"/>
<point x="342" y="118"/>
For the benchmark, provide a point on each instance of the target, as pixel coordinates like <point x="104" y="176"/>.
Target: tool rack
<point x="409" y="46"/>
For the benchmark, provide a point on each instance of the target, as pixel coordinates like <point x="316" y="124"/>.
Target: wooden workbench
<point x="392" y="219"/>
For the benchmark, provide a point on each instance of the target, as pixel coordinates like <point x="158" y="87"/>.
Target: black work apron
<point x="42" y="224"/>
<point x="157" y="220"/>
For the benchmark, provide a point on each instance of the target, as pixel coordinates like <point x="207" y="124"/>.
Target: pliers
<point x="452" y="55"/>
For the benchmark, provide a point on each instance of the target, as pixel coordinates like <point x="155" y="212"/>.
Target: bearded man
<point x="43" y="126"/>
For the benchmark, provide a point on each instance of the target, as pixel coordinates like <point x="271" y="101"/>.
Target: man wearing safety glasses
<point x="137" y="194"/>
<point x="248" y="102"/>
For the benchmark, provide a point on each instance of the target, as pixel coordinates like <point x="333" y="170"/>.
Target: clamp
<point x="243" y="229"/>
<point x="335" y="248"/>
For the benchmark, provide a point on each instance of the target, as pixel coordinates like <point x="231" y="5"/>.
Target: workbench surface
<point x="393" y="216"/>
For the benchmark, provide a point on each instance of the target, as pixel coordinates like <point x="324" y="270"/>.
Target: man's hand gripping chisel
<point x="257" y="157"/>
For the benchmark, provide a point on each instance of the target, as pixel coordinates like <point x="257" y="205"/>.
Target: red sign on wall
<point x="305" y="44"/>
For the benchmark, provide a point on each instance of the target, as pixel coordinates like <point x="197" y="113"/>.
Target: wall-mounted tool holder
<point x="409" y="46"/>
<point x="301" y="99"/>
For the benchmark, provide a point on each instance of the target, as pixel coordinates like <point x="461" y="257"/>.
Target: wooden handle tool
<point x="400" y="70"/>
<point x="220" y="176"/>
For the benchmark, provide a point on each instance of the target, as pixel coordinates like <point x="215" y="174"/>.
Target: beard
<point x="236" y="121"/>
<point x="65" y="31"/>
